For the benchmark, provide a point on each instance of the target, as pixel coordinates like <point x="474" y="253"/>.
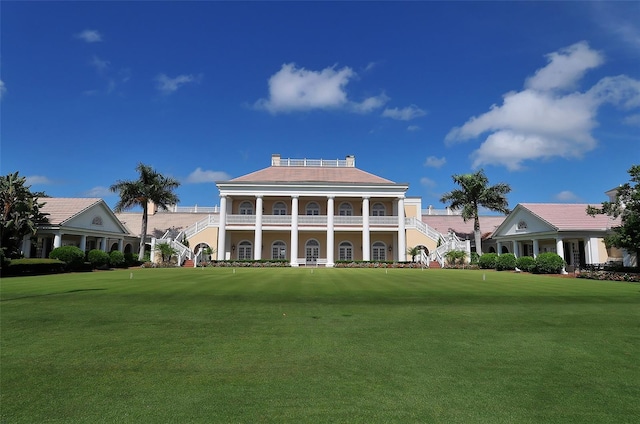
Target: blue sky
<point x="544" y="96"/>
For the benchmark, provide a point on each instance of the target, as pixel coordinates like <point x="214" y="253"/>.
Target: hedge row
<point x="377" y="264"/>
<point x="544" y="263"/>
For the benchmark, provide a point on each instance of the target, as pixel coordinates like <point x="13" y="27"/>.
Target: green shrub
<point x="98" y="258"/>
<point x="505" y="262"/>
<point x="116" y="259"/>
<point x="526" y="263"/>
<point x="488" y="261"/>
<point x="131" y="260"/>
<point x="4" y="261"/>
<point x="71" y="255"/>
<point x="474" y="258"/>
<point x="33" y="266"/>
<point x="456" y="257"/>
<point x="549" y="263"/>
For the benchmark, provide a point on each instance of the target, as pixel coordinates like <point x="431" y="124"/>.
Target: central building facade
<point x="314" y="212"/>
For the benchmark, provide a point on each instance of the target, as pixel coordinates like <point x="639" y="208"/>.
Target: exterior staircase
<point x="188" y="263"/>
<point x="434" y="264"/>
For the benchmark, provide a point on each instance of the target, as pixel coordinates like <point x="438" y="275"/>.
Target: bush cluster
<point x="506" y="262"/>
<point x="526" y="263"/>
<point x="71" y="255"/>
<point x="488" y="261"/>
<point x="544" y="263"/>
<point x="19" y="267"/>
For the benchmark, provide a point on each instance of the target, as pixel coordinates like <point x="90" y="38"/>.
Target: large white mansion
<point x="317" y="212"/>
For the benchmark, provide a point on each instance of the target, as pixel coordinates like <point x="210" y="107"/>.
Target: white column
<point x="26" y="246"/>
<point x="294" y="231"/>
<point x="257" y="251"/>
<point x="120" y="245"/>
<point x="499" y="247"/>
<point x="83" y="242"/>
<point x="222" y="242"/>
<point x="366" y="240"/>
<point x="402" y="237"/>
<point x="536" y="248"/>
<point x="516" y="252"/>
<point x="560" y="251"/>
<point x="587" y="250"/>
<point x="330" y="231"/>
<point x="57" y="240"/>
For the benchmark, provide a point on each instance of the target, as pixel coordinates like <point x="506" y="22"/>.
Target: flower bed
<point x="263" y="263"/>
<point x="377" y="264"/>
<point x="610" y="276"/>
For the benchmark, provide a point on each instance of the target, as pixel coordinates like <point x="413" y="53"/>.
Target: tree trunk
<point x="477" y="235"/>
<point x="143" y="235"/>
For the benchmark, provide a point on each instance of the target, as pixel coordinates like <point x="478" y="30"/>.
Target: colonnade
<point x="295" y="229"/>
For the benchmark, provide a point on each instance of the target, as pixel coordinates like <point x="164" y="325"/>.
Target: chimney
<point x="275" y="159"/>
<point x="351" y="161"/>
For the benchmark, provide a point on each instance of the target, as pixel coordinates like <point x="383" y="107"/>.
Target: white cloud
<point x="413" y="128"/>
<point x="434" y="162"/>
<point x="202" y="176"/>
<point x="3" y="89"/>
<point x="633" y="120"/>
<point x="427" y="182"/>
<point x="90" y="36"/>
<point x="294" y="89"/>
<point x="370" y="104"/>
<point x="98" y="191"/>
<point x="168" y="85"/>
<point x="565" y="68"/>
<point x="100" y="65"/>
<point x="567" y="196"/>
<point x="541" y="122"/>
<point x="406" y="114"/>
<point x="37" y="180"/>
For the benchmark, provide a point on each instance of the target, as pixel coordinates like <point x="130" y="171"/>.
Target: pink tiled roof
<point x="160" y="222"/>
<point x="568" y="217"/>
<point x="61" y="209"/>
<point x="442" y="223"/>
<point x="298" y="174"/>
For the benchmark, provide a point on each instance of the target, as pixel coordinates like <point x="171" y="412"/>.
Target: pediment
<point x="521" y="221"/>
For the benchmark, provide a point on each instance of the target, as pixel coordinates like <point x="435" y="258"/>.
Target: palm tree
<point x="414" y="251"/>
<point x="474" y="193"/>
<point x="149" y="187"/>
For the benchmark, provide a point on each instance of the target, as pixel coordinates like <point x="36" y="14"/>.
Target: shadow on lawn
<point x="50" y="294"/>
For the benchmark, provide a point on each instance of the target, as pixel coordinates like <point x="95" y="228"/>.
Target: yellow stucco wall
<point x="416" y="238"/>
<point x="208" y="236"/>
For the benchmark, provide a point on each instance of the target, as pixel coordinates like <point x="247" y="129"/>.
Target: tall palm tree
<point x="150" y="186"/>
<point x="475" y="192"/>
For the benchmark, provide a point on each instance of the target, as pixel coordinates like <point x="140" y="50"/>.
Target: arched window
<point x="245" y="250"/>
<point x="278" y="250"/>
<point x="114" y="246"/>
<point x="345" y="251"/>
<point x="505" y="249"/>
<point x="379" y="251"/>
<point x="378" y="209"/>
<point x="279" y="208"/>
<point x="345" y="209"/>
<point x="97" y="220"/>
<point x="312" y="251"/>
<point x="246" y="208"/>
<point x="313" y="208"/>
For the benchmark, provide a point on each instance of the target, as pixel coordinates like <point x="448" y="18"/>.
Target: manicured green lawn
<point x="332" y="346"/>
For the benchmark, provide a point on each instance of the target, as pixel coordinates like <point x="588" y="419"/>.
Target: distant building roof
<point x="300" y="174"/>
<point x="62" y="209"/>
<point x="312" y="171"/>
<point x="444" y="223"/>
<point x="570" y="217"/>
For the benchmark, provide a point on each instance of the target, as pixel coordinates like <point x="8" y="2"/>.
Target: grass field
<point x="322" y="346"/>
